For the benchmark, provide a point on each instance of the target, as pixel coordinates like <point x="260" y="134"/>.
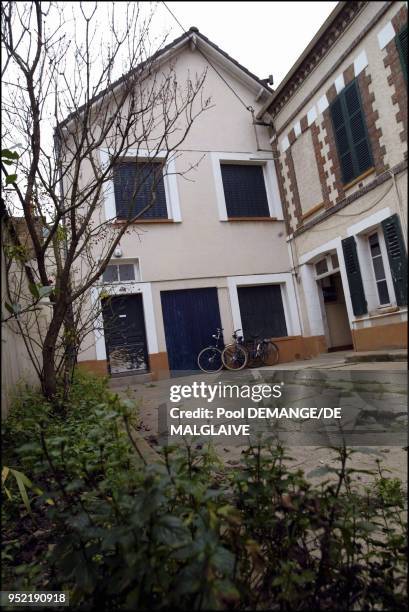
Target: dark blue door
<point x="190" y="317"/>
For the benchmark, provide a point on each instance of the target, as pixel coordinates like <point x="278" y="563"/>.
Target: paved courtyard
<point x="382" y="386"/>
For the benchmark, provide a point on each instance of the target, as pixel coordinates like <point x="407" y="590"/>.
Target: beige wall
<point x="202" y="250"/>
<point x="17" y="367"/>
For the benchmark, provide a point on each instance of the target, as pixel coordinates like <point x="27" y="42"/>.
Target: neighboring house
<point x="340" y="137"/>
<point x="213" y="249"/>
<point x="17" y="366"/>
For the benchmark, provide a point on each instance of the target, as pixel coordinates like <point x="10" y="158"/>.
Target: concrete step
<point x="370" y="356"/>
<point x="116" y="382"/>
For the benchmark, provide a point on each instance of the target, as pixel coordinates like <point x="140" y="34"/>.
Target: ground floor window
<point x="262" y="311"/>
<point x="379" y="269"/>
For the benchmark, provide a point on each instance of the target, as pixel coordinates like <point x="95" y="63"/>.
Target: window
<point x="334" y="261"/>
<point x="379" y="269"/>
<point x="115" y="273"/>
<point x="262" y="311"/>
<point x="138" y="184"/>
<point x="351" y="135"/>
<point x="244" y="190"/>
<point x="321" y="267"/>
<point x="402" y="45"/>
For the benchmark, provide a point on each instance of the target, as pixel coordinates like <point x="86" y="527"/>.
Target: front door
<point x="190" y="318"/>
<point x="339" y="331"/>
<point x="125" y="336"/>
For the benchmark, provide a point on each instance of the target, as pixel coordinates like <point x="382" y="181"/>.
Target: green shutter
<point x="351" y="135"/>
<point x="402" y="44"/>
<point x="398" y="261"/>
<point x="356" y="288"/>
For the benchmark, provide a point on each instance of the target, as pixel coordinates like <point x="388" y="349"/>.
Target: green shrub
<point x="187" y="532"/>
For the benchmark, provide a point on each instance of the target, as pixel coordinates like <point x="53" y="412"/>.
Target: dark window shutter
<point x="134" y="184"/>
<point x="351" y="135"/>
<point x="262" y="311"/>
<point x="402" y="44"/>
<point x="244" y="190"/>
<point x="356" y="288"/>
<point x="398" y="261"/>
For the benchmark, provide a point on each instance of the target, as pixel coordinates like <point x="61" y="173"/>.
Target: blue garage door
<point x="190" y="317"/>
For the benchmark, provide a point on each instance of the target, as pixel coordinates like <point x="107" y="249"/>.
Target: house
<point x="212" y="251"/>
<point x="340" y="142"/>
<point x="22" y="336"/>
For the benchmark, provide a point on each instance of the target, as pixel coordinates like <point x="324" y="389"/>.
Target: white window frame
<point x="388" y="277"/>
<point x="169" y="181"/>
<point x="148" y="311"/>
<point x="124" y="261"/>
<point x="270" y="181"/>
<point x="287" y="292"/>
<point x="362" y="231"/>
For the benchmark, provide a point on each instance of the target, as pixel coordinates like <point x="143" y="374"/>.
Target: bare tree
<point x="62" y="73"/>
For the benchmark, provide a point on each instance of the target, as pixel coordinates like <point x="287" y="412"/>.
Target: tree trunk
<point x="49" y="377"/>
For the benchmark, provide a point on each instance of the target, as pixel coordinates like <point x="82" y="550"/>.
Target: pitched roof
<point x="190" y="34"/>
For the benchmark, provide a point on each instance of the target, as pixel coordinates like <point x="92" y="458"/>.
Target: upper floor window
<point x="244" y="190"/>
<point x="351" y="134"/>
<point x="379" y="269"/>
<point x="402" y="44"/>
<point x="139" y="186"/>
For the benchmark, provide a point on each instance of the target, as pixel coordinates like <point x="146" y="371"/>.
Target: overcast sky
<point x="266" y="37"/>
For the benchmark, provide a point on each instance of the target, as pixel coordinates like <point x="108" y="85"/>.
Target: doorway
<point x="339" y="335"/>
<point x="125" y="335"/>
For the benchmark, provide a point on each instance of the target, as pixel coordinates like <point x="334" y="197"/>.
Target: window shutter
<point x="138" y="178"/>
<point x="351" y="135"/>
<point x="356" y="288"/>
<point x="262" y="311"/>
<point x="244" y="190"/>
<point x="398" y="262"/>
<point x="342" y="140"/>
<point x="402" y="44"/>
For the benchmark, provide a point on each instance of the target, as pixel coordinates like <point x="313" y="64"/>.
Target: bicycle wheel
<point x="210" y="359"/>
<point x="270" y="354"/>
<point x="234" y="357"/>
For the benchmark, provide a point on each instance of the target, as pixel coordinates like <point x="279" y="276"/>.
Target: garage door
<point x="190" y="317"/>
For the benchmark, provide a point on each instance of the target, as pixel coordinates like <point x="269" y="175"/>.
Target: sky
<point x="265" y="37"/>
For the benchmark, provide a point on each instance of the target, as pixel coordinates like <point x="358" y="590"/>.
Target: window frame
<point x="346" y="117"/>
<point x="270" y="182"/>
<point x="122" y="262"/>
<point x="385" y="261"/>
<point x="169" y="180"/>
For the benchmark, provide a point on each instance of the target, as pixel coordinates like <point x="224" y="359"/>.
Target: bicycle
<point x="262" y="352"/>
<point x="235" y="355"/>
<point x="209" y="359"/>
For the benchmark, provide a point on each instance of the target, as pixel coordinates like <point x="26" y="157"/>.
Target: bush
<point x="187" y="532"/>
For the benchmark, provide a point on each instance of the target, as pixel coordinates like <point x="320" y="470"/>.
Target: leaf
<point x="11" y="178"/>
<point x="34" y="290"/>
<point x="4" y="473"/>
<point x="9" y="154"/>
<point x="22" y="482"/>
<point x="45" y="291"/>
